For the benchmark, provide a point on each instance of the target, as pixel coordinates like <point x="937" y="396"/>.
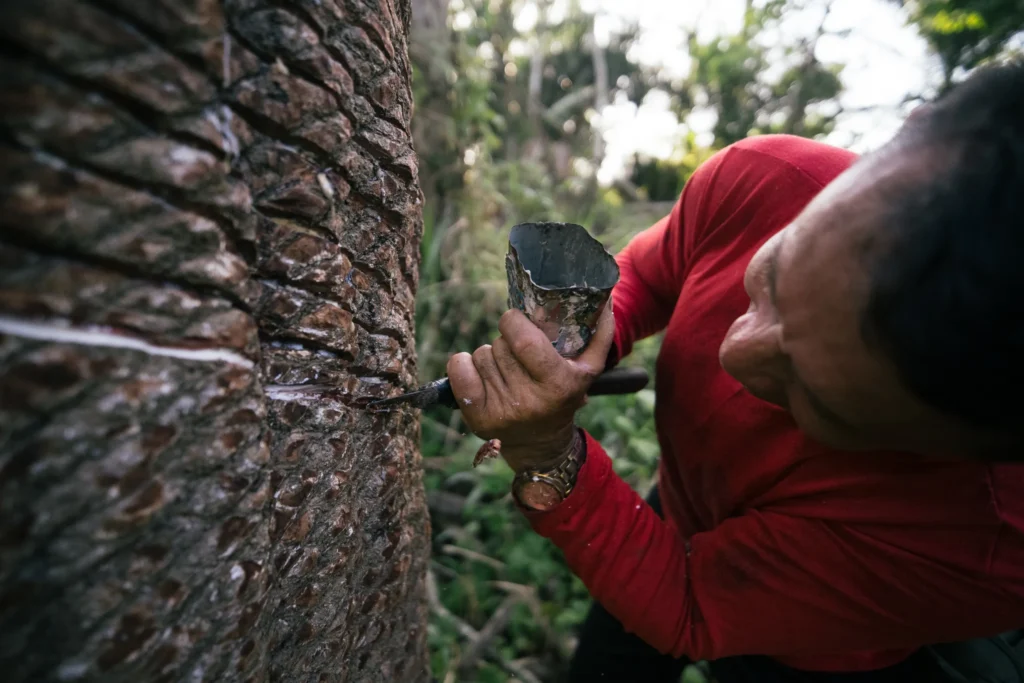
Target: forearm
<point x="642" y="308"/>
<point x="631" y="561"/>
<point x="763" y="582"/>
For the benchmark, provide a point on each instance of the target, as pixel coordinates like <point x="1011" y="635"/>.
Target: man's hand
<point x="519" y="390"/>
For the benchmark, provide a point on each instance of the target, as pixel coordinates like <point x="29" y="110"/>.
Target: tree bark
<point x="209" y="237"/>
<point x="600" y="61"/>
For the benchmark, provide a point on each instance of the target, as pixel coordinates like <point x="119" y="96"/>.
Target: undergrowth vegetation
<point x="486" y="560"/>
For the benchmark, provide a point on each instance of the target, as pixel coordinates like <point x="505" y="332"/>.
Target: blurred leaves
<point x="968" y="33"/>
<point x="734" y="75"/>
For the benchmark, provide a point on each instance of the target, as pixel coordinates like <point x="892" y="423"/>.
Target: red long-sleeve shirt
<point x="773" y="544"/>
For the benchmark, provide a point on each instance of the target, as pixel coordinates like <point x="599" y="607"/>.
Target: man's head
<point x="890" y="313"/>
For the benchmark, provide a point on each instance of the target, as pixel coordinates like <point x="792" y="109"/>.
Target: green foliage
<point x="663" y="179"/>
<point x="966" y="33"/>
<point x="731" y="74"/>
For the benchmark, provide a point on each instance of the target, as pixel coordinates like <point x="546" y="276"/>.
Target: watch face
<point x="538" y="495"/>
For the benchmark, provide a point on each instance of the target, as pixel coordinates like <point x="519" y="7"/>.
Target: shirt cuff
<point x="590" y="482"/>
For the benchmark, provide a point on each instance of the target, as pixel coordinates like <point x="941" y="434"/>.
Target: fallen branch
<point x="438" y="608"/>
<point x="522" y="664"/>
<point x="438" y="463"/>
<point x="517" y="669"/>
<point x="443" y="570"/>
<point x="472" y="555"/>
<point x="454" y="532"/>
<point x="528" y="594"/>
<point x="494" y="626"/>
<point x="452" y="671"/>
<point x="471" y="634"/>
<point x="525" y="592"/>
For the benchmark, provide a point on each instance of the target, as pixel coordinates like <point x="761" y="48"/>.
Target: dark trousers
<point x="606" y="652"/>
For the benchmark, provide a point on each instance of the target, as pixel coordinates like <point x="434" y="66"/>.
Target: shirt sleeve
<point x="653" y="266"/>
<point x="764" y="582"/>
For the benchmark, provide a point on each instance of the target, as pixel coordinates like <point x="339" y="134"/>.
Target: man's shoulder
<point x="759" y="184"/>
<point x="818" y="161"/>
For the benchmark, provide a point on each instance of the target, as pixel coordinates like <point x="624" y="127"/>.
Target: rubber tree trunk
<point x="209" y="234"/>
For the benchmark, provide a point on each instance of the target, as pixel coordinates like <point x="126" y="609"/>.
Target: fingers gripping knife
<point x="439" y="392"/>
<point x="561" y="278"/>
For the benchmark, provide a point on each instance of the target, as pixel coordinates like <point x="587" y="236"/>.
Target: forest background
<point x="596" y="113"/>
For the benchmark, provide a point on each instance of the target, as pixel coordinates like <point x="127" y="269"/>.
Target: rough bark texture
<point x="209" y="232"/>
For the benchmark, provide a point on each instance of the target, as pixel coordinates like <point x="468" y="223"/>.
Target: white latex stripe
<point x="61" y="334"/>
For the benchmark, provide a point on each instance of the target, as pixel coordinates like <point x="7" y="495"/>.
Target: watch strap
<point x="562" y="475"/>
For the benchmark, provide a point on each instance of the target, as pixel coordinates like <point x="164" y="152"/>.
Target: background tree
<point x="731" y="76"/>
<point x="966" y="33"/>
<point x="752" y="85"/>
<point x="209" y="234"/>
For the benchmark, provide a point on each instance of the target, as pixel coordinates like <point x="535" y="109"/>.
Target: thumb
<point x="595" y="356"/>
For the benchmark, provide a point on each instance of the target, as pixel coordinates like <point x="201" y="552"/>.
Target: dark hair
<point x="946" y="300"/>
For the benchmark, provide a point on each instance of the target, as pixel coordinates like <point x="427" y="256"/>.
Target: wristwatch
<point x="543" y="489"/>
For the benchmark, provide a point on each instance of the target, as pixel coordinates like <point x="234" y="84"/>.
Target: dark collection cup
<point x="561" y="278"/>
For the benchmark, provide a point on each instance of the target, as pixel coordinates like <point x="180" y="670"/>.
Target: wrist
<point x="542" y="489"/>
<point x="543" y="454"/>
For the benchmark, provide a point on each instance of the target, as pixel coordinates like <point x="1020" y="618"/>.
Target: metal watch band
<point x="561" y="477"/>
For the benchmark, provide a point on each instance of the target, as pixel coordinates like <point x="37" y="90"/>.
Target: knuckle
<point x="501" y="348"/>
<point x="462" y="368"/>
<point x="522" y="345"/>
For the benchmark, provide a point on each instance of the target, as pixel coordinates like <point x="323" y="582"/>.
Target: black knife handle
<point x="613" y="382"/>
<point x="619" y="381"/>
<point x="445" y="395"/>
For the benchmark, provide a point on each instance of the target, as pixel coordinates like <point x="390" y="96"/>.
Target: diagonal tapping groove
<point x="59" y="333"/>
